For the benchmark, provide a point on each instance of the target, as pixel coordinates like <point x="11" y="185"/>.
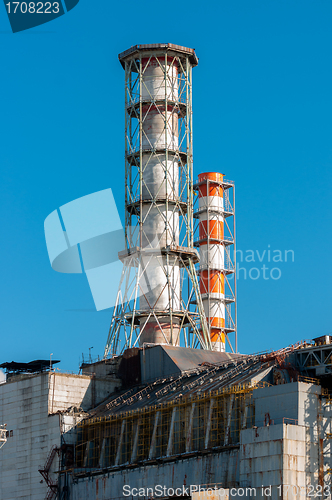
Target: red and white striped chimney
<point x="211" y="249"/>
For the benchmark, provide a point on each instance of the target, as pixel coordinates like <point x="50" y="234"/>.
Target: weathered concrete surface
<point x="32" y="433"/>
<point x="214" y="468"/>
<point x="83" y="391"/>
<point x="104" y="369"/>
<point x="273" y="456"/>
<point x="295" y="401"/>
<point x="28" y="405"/>
<point x="219" y="493"/>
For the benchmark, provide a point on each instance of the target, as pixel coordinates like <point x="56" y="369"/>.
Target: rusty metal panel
<point x="130" y="367"/>
<point x="188" y="359"/>
<point x="165" y="360"/>
<point x="157" y="363"/>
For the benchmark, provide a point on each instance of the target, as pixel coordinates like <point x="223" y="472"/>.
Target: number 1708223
<point x="33" y="8"/>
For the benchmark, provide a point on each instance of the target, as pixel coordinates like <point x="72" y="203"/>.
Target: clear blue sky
<point x="262" y="115"/>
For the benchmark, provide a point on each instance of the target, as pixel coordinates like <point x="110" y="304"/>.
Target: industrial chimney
<point x="159" y="299"/>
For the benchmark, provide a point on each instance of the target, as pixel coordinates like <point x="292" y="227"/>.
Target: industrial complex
<point x="172" y="409"/>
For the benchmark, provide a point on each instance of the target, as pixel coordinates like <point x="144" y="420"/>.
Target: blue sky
<point x="262" y="115"/>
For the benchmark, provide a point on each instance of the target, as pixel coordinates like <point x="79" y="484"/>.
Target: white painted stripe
<point x="216" y="202"/>
<point x="212" y="257"/>
<point x="217" y="308"/>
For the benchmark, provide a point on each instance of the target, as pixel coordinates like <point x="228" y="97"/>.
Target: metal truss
<point x="171" y="203"/>
<point x="315" y="359"/>
<point x="126" y="330"/>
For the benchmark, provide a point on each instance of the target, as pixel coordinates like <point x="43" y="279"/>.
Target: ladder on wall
<point x="45" y="472"/>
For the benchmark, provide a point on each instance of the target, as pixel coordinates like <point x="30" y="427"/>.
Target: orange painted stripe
<point x="217" y="322"/>
<point x="212" y="229"/>
<point x="214" y="190"/>
<point x="217" y="336"/>
<point x="212" y="282"/>
<point x="211" y="176"/>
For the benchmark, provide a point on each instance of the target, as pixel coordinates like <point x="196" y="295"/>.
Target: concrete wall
<point x="85" y="391"/>
<point x="295" y="401"/>
<point x="273" y="456"/>
<point x="269" y="456"/>
<point x="28" y="405"/>
<point x="105" y="368"/>
<point x="32" y="433"/>
<point x="222" y="466"/>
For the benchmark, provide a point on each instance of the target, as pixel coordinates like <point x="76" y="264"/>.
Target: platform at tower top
<point x="151" y="47"/>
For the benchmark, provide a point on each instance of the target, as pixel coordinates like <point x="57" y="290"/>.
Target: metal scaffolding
<point x="217" y="244"/>
<point x="158" y="300"/>
<point x="3" y="435"/>
<point x="201" y="422"/>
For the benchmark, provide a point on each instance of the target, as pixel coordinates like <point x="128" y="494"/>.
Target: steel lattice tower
<point x="158" y="299"/>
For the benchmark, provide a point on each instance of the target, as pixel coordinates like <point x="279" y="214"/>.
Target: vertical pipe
<point x="211" y="241"/>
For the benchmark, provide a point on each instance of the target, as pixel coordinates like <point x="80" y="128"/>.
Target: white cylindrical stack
<point x="160" y="282"/>
<point x="211" y="248"/>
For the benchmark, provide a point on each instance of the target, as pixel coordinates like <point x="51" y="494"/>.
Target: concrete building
<point x="171" y="417"/>
<point x="242" y="423"/>
<point x="40" y="410"/>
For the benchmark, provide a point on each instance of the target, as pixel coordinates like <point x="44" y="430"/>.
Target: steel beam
<point x="154" y="436"/>
<point x="118" y="453"/>
<point x="171" y="432"/>
<point x="190" y="428"/>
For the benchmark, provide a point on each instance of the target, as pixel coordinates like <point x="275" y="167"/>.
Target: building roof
<point x="160" y="361"/>
<point x="38" y="365"/>
<point x="202" y="379"/>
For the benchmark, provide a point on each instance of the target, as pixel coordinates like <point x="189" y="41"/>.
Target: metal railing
<point x="172" y="98"/>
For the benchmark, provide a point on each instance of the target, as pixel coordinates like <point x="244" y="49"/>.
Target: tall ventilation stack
<point x="216" y="202"/>
<point x="159" y="300"/>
